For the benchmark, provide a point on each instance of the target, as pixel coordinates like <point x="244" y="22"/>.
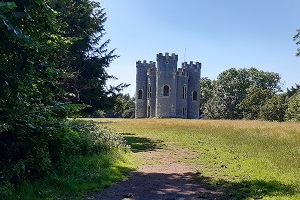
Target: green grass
<point x="75" y="179"/>
<point x="249" y="159"/>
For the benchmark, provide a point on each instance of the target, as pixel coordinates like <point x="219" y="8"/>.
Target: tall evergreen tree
<point x="88" y="56"/>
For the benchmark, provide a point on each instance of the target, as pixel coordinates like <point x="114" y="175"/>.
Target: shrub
<point x="293" y="111"/>
<point x="33" y="144"/>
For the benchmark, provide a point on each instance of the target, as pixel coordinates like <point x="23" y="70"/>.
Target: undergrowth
<point x="102" y="157"/>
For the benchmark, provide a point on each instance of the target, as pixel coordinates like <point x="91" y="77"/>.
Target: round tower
<point x="182" y="85"/>
<point x="193" y="90"/>
<point x="151" y="90"/>
<point x="166" y="85"/>
<point x="141" y="89"/>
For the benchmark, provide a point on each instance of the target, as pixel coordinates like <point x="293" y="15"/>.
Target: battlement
<point x="191" y="65"/>
<point x="167" y="57"/>
<point x="182" y="72"/>
<point x="145" y="63"/>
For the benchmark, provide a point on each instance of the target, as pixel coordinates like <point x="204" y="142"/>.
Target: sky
<point x="219" y="34"/>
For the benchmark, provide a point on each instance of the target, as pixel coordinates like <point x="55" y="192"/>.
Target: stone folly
<point x="164" y="91"/>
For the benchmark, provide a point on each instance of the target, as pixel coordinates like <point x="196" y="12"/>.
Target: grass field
<point x="250" y="159"/>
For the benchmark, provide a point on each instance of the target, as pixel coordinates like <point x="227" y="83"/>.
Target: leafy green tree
<point x="293" y="90"/>
<point x="255" y="98"/>
<point x="293" y="108"/>
<point x="124" y="107"/>
<point x="31" y="47"/>
<point x="230" y="89"/>
<point x="206" y="92"/>
<point x="38" y="56"/>
<point x="274" y="108"/>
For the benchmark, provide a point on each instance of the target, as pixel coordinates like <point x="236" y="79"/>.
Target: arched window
<point x="195" y="95"/>
<point x="140" y="94"/>
<point x="166" y="91"/>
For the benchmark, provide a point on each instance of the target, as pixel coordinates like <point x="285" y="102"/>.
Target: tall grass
<point x="252" y="159"/>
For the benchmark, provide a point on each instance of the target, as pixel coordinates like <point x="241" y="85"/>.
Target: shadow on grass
<point x="256" y="189"/>
<point x="139" y="144"/>
<point x="186" y="186"/>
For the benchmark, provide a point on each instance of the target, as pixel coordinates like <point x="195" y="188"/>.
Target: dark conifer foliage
<point x="51" y="52"/>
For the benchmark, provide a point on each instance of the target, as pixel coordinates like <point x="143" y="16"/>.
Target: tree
<point x="293" y="90"/>
<point x="31" y="119"/>
<point x="206" y="92"/>
<point x="254" y="100"/>
<point x="293" y="108"/>
<point x="40" y="55"/>
<point x="88" y="56"/>
<point x="124" y="107"/>
<point x="297" y="39"/>
<point x="230" y="89"/>
<point x="274" y="109"/>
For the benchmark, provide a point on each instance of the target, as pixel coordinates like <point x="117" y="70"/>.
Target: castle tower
<point x="151" y="91"/>
<point x="166" y="85"/>
<point x="193" y="90"/>
<point x="182" y="86"/>
<point x="141" y="88"/>
<point x="164" y="91"/>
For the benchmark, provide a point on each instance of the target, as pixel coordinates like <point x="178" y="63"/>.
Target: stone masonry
<point x="164" y="91"/>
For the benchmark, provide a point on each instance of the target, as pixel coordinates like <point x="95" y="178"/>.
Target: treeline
<point x="124" y="107"/>
<point x="249" y="94"/>
<point x="52" y="67"/>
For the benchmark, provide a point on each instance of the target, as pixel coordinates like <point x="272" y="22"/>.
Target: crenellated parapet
<point x="191" y="65"/>
<point x="182" y="72"/>
<point x="167" y="57"/>
<point x="145" y="64"/>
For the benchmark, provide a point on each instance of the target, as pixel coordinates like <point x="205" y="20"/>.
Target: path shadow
<point x="159" y="186"/>
<point x="185" y="186"/>
<point x="141" y="144"/>
<point x="253" y="189"/>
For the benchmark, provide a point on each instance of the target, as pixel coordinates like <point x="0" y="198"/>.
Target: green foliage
<point x="293" y="108"/>
<point x="74" y="178"/>
<point x="87" y="58"/>
<point x="297" y="39"/>
<point x="255" y="98"/>
<point x="274" y="109"/>
<point x="124" y="107"/>
<point x="41" y="144"/>
<point x="230" y="89"/>
<point x="206" y="92"/>
<point x="51" y="144"/>
<point x="293" y="90"/>
<point x="43" y="46"/>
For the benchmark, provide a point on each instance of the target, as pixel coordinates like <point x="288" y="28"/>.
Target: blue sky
<point x="219" y="34"/>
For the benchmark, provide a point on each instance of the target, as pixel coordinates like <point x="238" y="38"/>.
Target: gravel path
<point x="163" y="176"/>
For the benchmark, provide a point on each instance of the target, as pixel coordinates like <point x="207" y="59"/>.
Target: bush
<point x="293" y="110"/>
<point x="32" y="145"/>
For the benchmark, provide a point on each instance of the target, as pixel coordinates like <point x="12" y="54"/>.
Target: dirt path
<point x="163" y="176"/>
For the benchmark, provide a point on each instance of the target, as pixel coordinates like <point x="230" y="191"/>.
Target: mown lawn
<point x="249" y="159"/>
